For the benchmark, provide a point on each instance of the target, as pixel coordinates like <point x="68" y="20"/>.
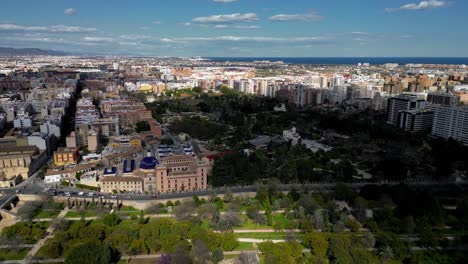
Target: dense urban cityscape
<point x="118" y="145"/>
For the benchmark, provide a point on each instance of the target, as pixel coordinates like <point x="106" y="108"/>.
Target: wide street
<point x="33" y="185"/>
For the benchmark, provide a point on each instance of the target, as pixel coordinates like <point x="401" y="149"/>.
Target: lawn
<point x="205" y="224"/>
<point x="47" y="214"/>
<point x="128" y="209"/>
<point x="245" y="246"/>
<point x="249" y="224"/>
<point x="13" y="254"/>
<point x="80" y="214"/>
<point x="280" y="219"/>
<point x="272" y="236"/>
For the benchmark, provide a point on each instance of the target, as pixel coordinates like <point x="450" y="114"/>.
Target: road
<point x="35" y="186"/>
<point x="28" y="186"/>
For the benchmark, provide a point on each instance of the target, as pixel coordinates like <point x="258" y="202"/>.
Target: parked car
<point x="90" y="194"/>
<point x="81" y="193"/>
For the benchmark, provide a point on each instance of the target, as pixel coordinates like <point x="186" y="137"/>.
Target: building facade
<point x="66" y="156"/>
<point x="451" y="122"/>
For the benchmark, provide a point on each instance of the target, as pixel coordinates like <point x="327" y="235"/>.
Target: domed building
<point x="148" y="163"/>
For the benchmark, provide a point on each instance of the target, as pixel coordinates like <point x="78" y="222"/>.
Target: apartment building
<point x="415" y="120"/>
<point x="110" y="184"/>
<point x="66" y="156"/>
<point x="402" y="102"/>
<point x="451" y="122"/>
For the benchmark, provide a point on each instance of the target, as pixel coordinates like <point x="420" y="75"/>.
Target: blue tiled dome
<point x="148" y="163"/>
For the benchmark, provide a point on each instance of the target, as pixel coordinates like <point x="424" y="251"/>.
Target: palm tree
<point x="368" y="240"/>
<point x="386" y="253"/>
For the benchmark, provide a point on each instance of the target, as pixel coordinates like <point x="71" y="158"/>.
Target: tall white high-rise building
<point x="337" y="80"/>
<point x="323" y="82"/>
<point x="451" y="122"/>
<point x="401" y="103"/>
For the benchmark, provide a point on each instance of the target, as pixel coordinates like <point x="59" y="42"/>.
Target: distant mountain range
<point x="29" y="51"/>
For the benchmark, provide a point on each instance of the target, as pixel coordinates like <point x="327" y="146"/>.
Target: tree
<point x="91" y="252"/>
<point x="408" y="225"/>
<point x="317" y="243"/>
<point x="142" y="126"/>
<point x="142" y="218"/>
<point x="283" y="252"/>
<point x="180" y="256"/>
<point x="386" y="253"/>
<point x="29" y="210"/>
<point x="294" y="195"/>
<point x="339" y="249"/>
<point x="318" y="219"/>
<point x="352" y="224"/>
<point x="228" y="197"/>
<point x="368" y="240"/>
<point x="462" y="214"/>
<point x="60" y="224"/>
<point x="200" y="252"/>
<point x="136" y="247"/>
<point x="52" y="249"/>
<point x="254" y="214"/>
<point x="197" y="89"/>
<point x="217" y="255"/>
<point x="207" y="211"/>
<point x="229" y="241"/>
<point x="111" y="219"/>
<point x="185" y="211"/>
<point x="227" y="221"/>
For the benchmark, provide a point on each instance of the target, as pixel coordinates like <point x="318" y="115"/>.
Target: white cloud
<point x="128" y="43"/>
<point x="244" y="39"/>
<point x="37" y="39"/>
<point x="224" y="1"/>
<point x="69" y="11"/>
<point x="231" y="18"/>
<point x="135" y="37"/>
<point x="423" y="5"/>
<point x="223" y="26"/>
<point x="98" y="39"/>
<point x="312" y="16"/>
<point x="55" y="29"/>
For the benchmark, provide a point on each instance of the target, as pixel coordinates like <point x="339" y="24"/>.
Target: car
<point x="90" y="194"/>
<point x="67" y="194"/>
<point x="17" y="191"/>
<point x="81" y="193"/>
<point x="113" y="196"/>
<point x="101" y="197"/>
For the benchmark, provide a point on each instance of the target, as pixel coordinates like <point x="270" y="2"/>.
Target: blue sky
<point x="301" y="28"/>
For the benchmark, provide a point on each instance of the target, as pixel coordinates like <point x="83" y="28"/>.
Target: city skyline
<point x="239" y="28"/>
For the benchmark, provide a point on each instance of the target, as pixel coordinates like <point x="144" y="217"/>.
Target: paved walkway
<point x="256" y="240"/>
<point x="97" y="217"/>
<point x="240" y="231"/>
<point x="40" y="243"/>
<point x="17" y="246"/>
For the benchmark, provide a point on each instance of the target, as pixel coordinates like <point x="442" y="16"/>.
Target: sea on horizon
<point x="349" y="60"/>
